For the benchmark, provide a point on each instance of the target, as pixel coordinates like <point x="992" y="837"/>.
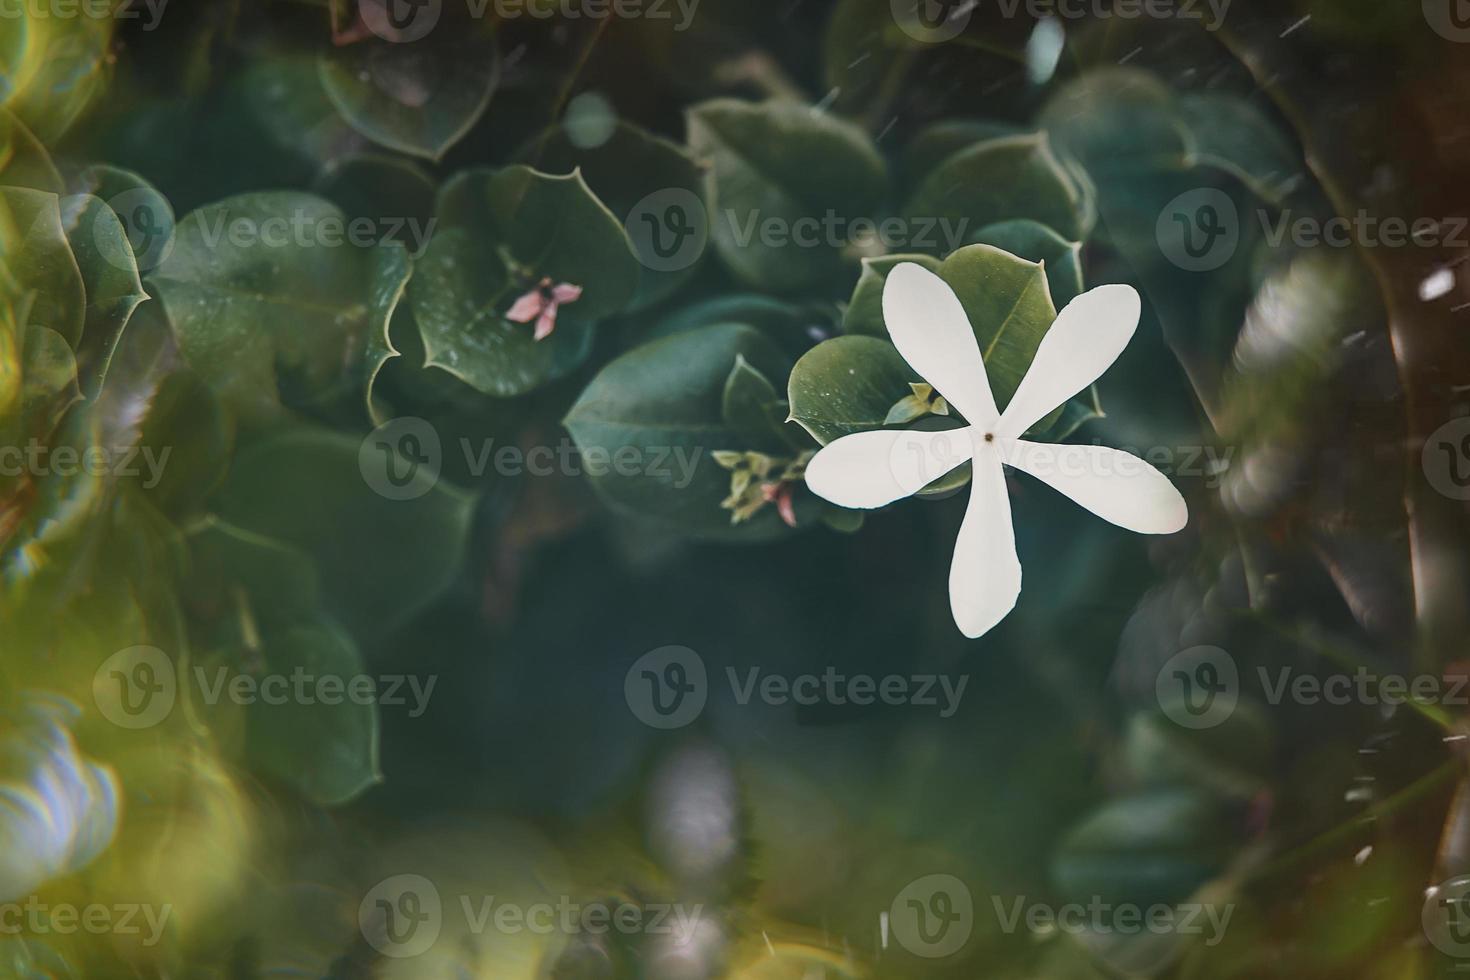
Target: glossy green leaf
<point x="381" y="560"/>
<point x="624" y="171"/>
<point x="1155" y="846"/>
<point x="104" y="256"/>
<point x="37" y="261"/>
<point x="864" y="314"/>
<point x="846" y="385"/>
<point x="662" y="407"/>
<point x="501" y="232"/>
<point x="777" y="170"/>
<point x="1003" y="179"/>
<point x="1006" y="298"/>
<point x="265" y="299"/>
<point x="24" y="162"/>
<point x="935" y="144"/>
<point x="327" y="751"/>
<point x="1231" y="759"/>
<point x="419" y="98"/>
<point x="1117" y="121"/>
<point x="1230" y="133"/>
<point x="1035" y="242"/>
<point x="752" y="408"/>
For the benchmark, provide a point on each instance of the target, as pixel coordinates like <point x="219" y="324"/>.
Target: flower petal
<point x="1087" y="337"/>
<point x="930" y="329"/>
<point x="527" y="307"/>
<point x="566" y="293"/>
<point x="546" y="322"/>
<point x="1114" y="485"/>
<point x="985" y="576"/>
<point x="870" y="469"/>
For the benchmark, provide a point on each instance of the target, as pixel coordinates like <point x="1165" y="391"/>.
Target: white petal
<point x="1087" y="337"/>
<point x="985" y="577"/>
<point x="930" y="329"/>
<point x="870" y="469"/>
<point x="1114" y="485"/>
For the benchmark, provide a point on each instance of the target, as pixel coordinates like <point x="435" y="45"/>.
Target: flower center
<point x="990" y="437"/>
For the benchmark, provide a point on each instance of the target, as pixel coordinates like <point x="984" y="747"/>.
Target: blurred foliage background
<point x="1304" y="383"/>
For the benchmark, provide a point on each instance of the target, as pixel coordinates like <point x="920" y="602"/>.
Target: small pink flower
<point x="781" y="494"/>
<point x="541" y="304"/>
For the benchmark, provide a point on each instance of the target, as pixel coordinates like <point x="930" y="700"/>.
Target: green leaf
<point x="1035" y="242"/>
<point x="787" y="324"/>
<point x="623" y="172"/>
<point x="327" y="751"/>
<point x="280" y="582"/>
<point x="1002" y="179"/>
<point x="501" y="233"/>
<point x="864" y="313"/>
<point x="104" y="256"/>
<point x="782" y="163"/>
<point x="418" y="98"/>
<point x="1006" y="298"/>
<point x="36" y="261"/>
<point x="146" y="216"/>
<point x="394" y="193"/>
<point x="261" y="313"/>
<point x="186" y="419"/>
<point x="936" y="143"/>
<point x="1009" y="305"/>
<point x="752" y="409"/>
<point x="662" y="404"/>
<point x="1232" y="759"/>
<point x="846" y="385"/>
<point x="24" y="162"/>
<point x="1231" y="134"/>
<point x="60" y="65"/>
<point x="551" y="226"/>
<point x="381" y="560"/>
<point x="1155" y="846"/>
<point x="1118" y="121"/>
<point x="391" y="280"/>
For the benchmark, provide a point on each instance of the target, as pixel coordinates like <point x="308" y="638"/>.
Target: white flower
<point x="930" y="329"/>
